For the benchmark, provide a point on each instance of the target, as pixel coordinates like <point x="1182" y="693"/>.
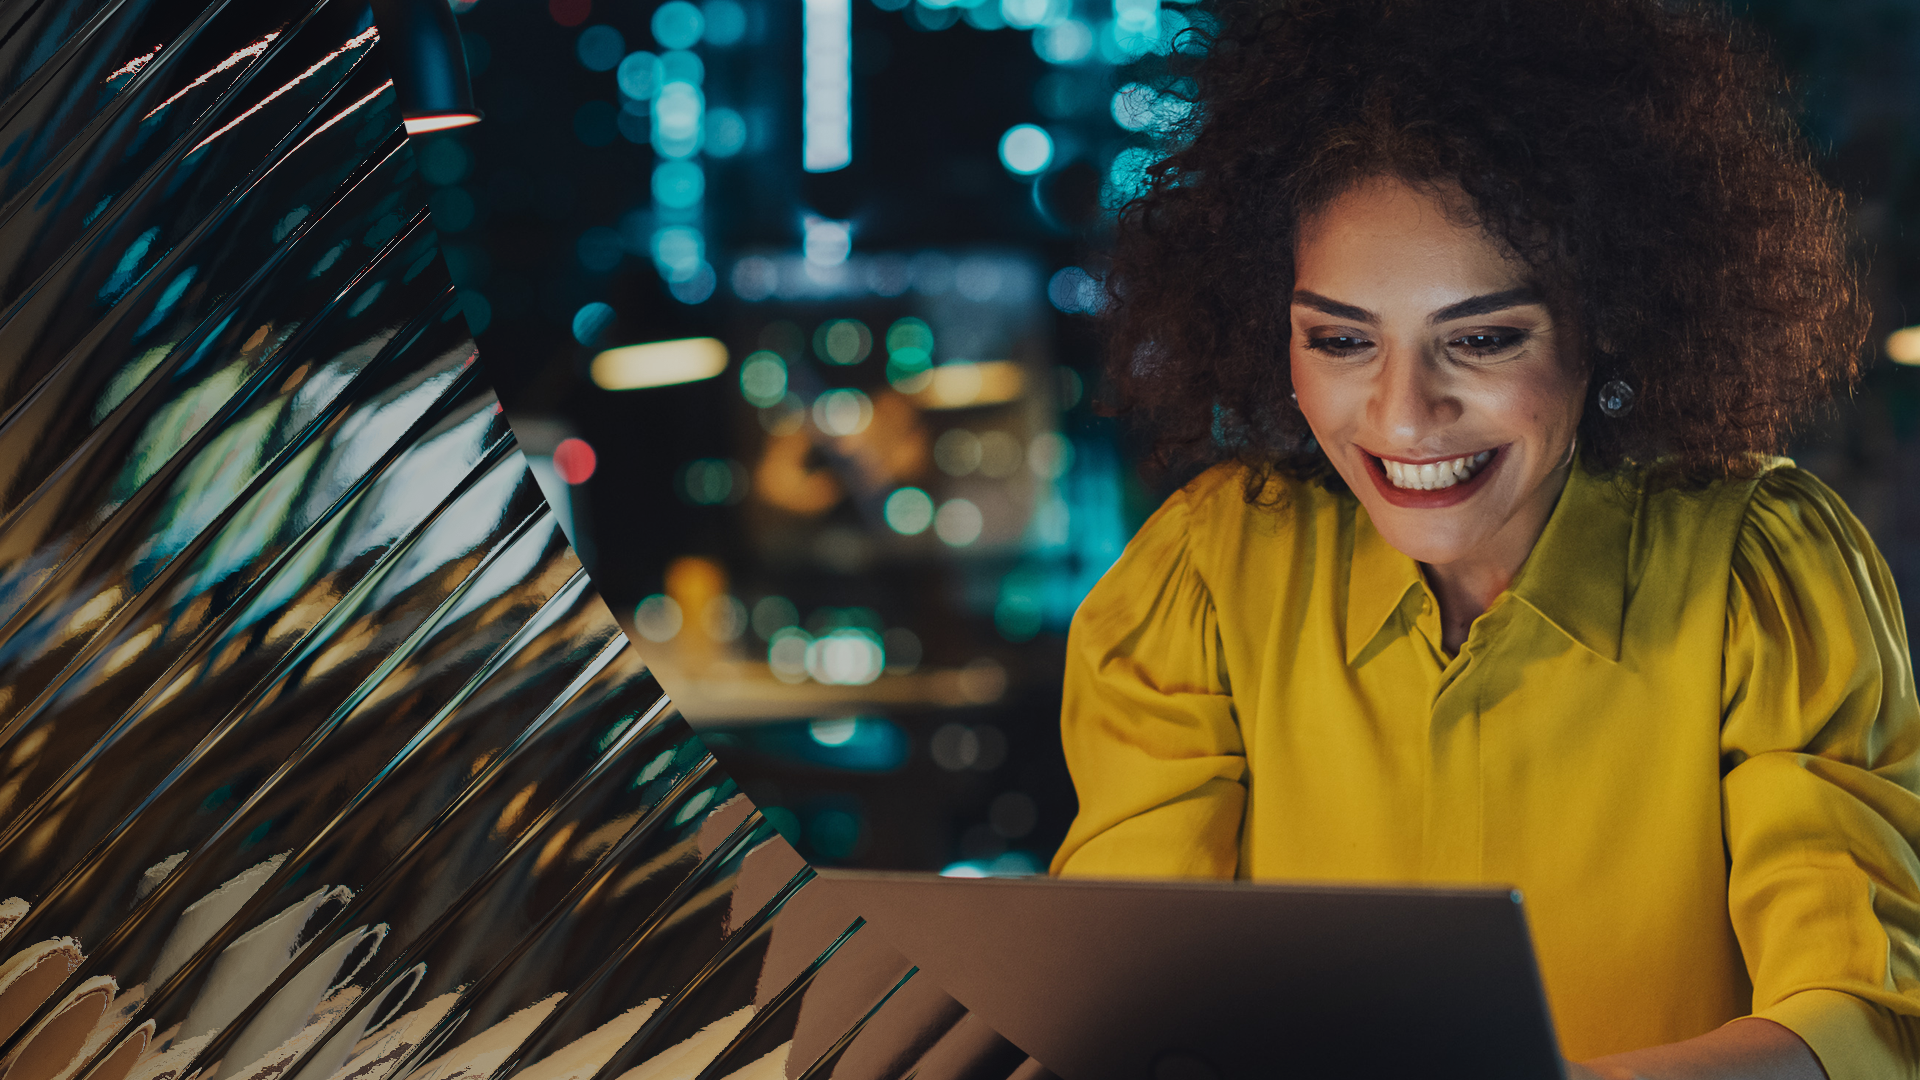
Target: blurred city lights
<point x="963" y="384"/>
<point x="659" y="363"/>
<point x="639" y="76"/>
<point x="1026" y="149"/>
<point x="911" y="335"/>
<point x="1127" y="177"/>
<point x="714" y="482"/>
<point x="763" y="379"/>
<point x="1075" y="291"/>
<point x="1025" y="14"/>
<point x="827" y="243"/>
<point x="695" y="289"/>
<point x="1137" y="16"/>
<point x="678" y="110"/>
<point x="679" y="184"/>
<point x="1050" y="456"/>
<point x="848" y="656"/>
<point x="591" y="321"/>
<point x="958" y="522"/>
<point x="773" y="614"/>
<point x="836" y="732"/>
<point x="599" y="48"/>
<point x="678" y="25"/>
<point x="1069" y="41"/>
<point x="909" y="511"/>
<point x="679" y="251"/>
<point x="569" y="12"/>
<point x="679" y="65"/>
<point x="842" y="341"/>
<point x="1001" y="455"/>
<point x="957" y="452"/>
<point x="827" y="85"/>
<point x="842" y="412"/>
<point x="1903" y="346"/>
<point x="725" y="618"/>
<point x="787" y="654"/>
<point x="726" y="133"/>
<point x="657" y="618"/>
<point x="726" y="22"/>
<point x="1137" y="107"/>
<point x="574" y="460"/>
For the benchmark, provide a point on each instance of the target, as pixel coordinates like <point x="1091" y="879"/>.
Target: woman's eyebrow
<point x="1333" y="307"/>
<point x="1485" y="304"/>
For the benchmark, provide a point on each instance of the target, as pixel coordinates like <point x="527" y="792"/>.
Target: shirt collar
<point x="1575" y="578"/>
<point x="1378" y="577"/>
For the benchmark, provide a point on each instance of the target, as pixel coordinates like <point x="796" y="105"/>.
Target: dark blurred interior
<point x="848" y="508"/>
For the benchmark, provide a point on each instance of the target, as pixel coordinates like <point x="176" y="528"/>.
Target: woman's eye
<point x="1337" y="345"/>
<point x="1489" y="343"/>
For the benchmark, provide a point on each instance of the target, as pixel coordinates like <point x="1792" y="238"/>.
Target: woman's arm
<point x="1746" y="1049"/>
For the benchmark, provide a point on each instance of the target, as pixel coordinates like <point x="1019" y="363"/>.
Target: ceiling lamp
<point x="421" y="41"/>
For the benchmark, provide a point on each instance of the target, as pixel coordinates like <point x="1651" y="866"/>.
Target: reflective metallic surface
<point x="319" y="755"/>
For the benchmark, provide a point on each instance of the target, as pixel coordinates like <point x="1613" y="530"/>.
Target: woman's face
<point x="1434" y="377"/>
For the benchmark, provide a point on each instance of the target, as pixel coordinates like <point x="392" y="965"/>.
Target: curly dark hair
<point x="1641" y="156"/>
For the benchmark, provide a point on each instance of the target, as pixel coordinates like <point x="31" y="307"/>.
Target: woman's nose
<point x="1411" y="397"/>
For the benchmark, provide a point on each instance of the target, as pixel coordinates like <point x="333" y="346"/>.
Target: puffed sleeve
<point x="1821" y="746"/>
<point x="1149" y="726"/>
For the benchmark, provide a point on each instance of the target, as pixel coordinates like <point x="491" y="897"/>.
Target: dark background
<point x="547" y="207"/>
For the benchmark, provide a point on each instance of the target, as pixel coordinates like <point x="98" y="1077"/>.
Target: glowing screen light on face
<point x="827" y="85"/>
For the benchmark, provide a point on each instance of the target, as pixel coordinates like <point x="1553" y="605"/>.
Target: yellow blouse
<point x="1687" y="732"/>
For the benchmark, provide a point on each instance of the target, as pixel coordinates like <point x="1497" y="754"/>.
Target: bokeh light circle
<point x="678" y="25"/>
<point x="574" y="460"/>
<point x="1026" y="149"/>
<point x="909" y="511"/>
<point x="958" y="522"/>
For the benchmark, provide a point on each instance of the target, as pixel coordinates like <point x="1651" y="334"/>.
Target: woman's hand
<point x="1746" y="1049"/>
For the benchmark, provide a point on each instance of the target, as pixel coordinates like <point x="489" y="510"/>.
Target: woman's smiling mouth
<point x="1434" y="475"/>
<point x="1429" y="485"/>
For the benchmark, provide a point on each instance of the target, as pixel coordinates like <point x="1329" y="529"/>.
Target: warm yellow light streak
<point x="369" y="34"/>
<point x="249" y="52"/>
<point x="968" y="384"/>
<point x="659" y="363"/>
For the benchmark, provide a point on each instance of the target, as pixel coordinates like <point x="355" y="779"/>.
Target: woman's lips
<point x="1433" y="499"/>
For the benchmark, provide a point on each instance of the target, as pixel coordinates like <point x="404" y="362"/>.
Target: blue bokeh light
<point x="678" y="184"/>
<point x="599" y="48"/>
<point x="678" y="25"/>
<point x="591" y="321"/>
<point x="1026" y="149"/>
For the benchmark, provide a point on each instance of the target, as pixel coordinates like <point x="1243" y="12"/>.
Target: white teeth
<point x="1434" y="476"/>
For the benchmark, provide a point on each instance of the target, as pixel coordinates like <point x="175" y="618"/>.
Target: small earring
<point x="1616" y="398"/>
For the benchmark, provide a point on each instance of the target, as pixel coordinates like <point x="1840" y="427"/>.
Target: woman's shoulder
<point x="1798" y="531"/>
<point x="1219" y="523"/>
<point x="1232" y="499"/>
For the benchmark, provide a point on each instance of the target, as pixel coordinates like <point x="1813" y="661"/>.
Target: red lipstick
<point x="1416" y="499"/>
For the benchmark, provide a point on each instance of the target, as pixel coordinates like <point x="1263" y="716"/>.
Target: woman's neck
<point x="1466" y="588"/>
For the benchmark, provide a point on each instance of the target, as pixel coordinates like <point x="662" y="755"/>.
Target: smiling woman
<point x="1488" y="317"/>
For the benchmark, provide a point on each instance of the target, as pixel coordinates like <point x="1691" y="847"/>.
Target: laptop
<point x="1111" y="980"/>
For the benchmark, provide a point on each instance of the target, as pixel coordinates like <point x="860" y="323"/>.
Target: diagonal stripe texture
<point x="320" y="758"/>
